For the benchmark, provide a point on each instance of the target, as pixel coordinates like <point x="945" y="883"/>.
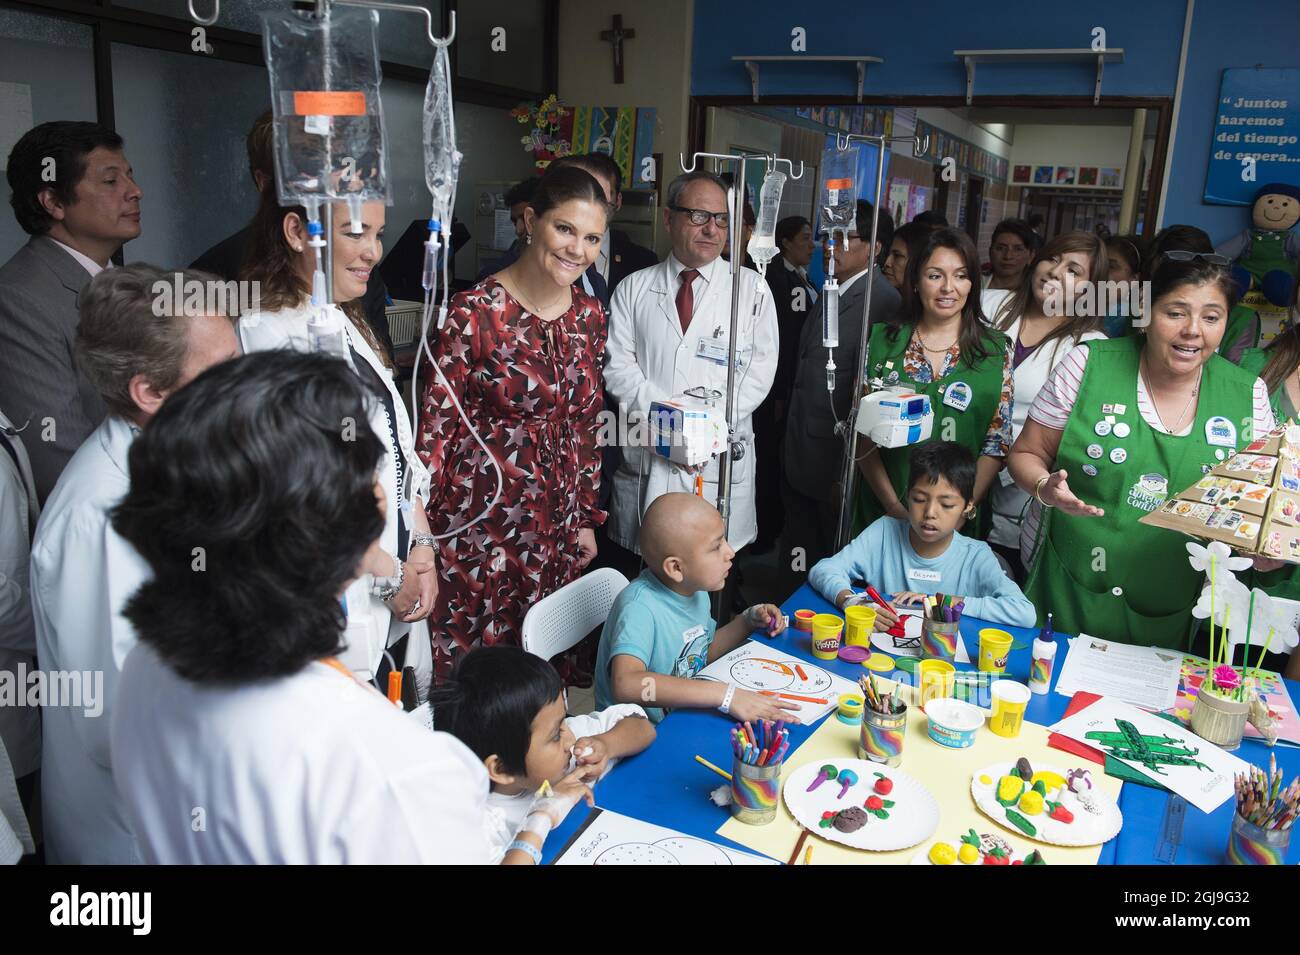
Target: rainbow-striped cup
<point x="1248" y="844"/>
<point x="881" y="737"/>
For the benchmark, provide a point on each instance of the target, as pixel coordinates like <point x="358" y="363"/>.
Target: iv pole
<point x="734" y="449"/>
<point x="848" y="428"/>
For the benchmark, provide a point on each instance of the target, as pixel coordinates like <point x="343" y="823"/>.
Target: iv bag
<point x="441" y="158"/>
<point x="762" y="243"/>
<point x="328" y="122"/>
<point x="839" y="194"/>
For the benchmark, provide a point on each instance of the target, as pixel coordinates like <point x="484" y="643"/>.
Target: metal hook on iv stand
<point x="848" y="472"/>
<point x="736" y="217"/>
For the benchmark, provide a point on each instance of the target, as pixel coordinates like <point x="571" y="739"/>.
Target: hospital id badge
<point x="714" y="350"/>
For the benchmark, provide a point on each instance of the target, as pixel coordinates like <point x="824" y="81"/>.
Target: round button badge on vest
<point x="1102" y="428"/>
<point x="1089" y="470"/>
<point x="1095" y="451"/>
<point x="1118" y="455"/>
<point x="1121" y="430"/>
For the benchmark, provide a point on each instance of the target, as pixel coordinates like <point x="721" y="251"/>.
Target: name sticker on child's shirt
<point x="929" y="576"/>
<point x="692" y="634"/>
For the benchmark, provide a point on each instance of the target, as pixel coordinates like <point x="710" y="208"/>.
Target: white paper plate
<point x="1086" y="829"/>
<point x="913" y="818"/>
<point x="988" y="840"/>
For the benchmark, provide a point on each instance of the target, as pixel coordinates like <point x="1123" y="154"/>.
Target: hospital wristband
<point x="533" y="852"/>
<point x="725" y="708"/>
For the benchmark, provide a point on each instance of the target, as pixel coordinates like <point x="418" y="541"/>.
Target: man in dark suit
<point x="813" y="454"/>
<point x="226" y="258"/>
<point x="73" y="191"/>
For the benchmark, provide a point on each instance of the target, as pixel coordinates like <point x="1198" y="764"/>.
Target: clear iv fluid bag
<point x="328" y="122"/>
<point x="839" y="194"/>
<point x="762" y="243"/>
<point x="441" y="158"/>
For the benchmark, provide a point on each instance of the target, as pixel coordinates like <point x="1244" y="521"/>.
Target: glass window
<point x="47" y="72"/>
<point x="187" y="147"/>
<point x="401" y="35"/>
<point x="520" y="65"/>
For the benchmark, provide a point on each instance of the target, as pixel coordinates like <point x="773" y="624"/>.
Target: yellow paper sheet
<point x="945" y="772"/>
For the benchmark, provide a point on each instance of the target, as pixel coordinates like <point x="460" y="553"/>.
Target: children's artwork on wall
<point x="608" y="838"/>
<point x="1197" y="770"/>
<point x="1046" y="803"/>
<point x="861" y="804"/>
<point x="1088" y="175"/>
<point x="1109" y="178"/>
<point x="765" y="669"/>
<point x="1020" y="174"/>
<point x="1043" y="175"/>
<point x="1065" y="175"/>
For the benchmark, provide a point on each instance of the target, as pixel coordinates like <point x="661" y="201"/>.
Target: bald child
<point x="660" y="631"/>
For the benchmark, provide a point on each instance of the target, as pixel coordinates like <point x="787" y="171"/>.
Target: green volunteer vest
<point x="982" y="393"/>
<point x="1111" y="576"/>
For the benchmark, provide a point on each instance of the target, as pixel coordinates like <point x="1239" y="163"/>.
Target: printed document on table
<point x="1143" y="676"/>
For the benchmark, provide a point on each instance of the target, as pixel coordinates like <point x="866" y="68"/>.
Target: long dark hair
<point x="1015" y="305"/>
<point x="1284" y="349"/>
<point x="972" y="335"/>
<point x="269" y="262"/>
<point x="263" y="468"/>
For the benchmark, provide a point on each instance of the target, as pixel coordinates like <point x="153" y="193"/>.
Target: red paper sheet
<point x="1079" y="701"/>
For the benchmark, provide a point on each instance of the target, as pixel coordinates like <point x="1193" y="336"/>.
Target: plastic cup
<point x="859" y="622"/>
<point x="1248" y="844"/>
<point x="938" y="640"/>
<point x="826" y="630"/>
<point x="995" y="647"/>
<point x="935" y="679"/>
<point x="1009" y="701"/>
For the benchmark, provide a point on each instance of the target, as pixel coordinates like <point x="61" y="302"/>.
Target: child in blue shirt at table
<point x="660" y="631"/>
<point x="925" y="555"/>
<point x="509" y="707"/>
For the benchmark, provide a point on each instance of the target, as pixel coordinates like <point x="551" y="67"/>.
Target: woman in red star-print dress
<point x="522" y="353"/>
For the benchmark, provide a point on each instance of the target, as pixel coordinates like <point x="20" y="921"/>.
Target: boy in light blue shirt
<point x="925" y="555"/>
<point x="660" y="631"/>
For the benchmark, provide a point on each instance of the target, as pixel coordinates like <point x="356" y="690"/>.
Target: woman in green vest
<point x="1120" y="426"/>
<point x="942" y="348"/>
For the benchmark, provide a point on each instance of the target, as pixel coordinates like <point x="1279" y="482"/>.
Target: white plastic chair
<point x="558" y="622"/>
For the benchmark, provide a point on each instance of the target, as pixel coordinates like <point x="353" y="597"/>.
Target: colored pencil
<point x="795" y="696"/>
<point x="798" y="669"/>
<point x="704" y="762"/>
<point x="803" y="837"/>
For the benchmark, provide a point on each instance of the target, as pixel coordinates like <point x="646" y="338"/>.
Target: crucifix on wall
<point x="615" y="38"/>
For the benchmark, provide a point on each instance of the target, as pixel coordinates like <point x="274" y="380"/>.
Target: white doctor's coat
<point x="648" y="358"/>
<point x="82" y="575"/>
<point x="372" y="627"/>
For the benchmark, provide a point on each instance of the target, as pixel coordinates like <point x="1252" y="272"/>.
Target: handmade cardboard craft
<point x="1251" y="501"/>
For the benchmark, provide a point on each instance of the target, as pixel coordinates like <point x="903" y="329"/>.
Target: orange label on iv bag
<point x="329" y="103"/>
<point x="839" y="183"/>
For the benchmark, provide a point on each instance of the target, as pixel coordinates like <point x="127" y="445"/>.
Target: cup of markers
<point x="758" y="749"/>
<point x="939" y="626"/>
<point x="1261" y="826"/>
<point x="884" y="724"/>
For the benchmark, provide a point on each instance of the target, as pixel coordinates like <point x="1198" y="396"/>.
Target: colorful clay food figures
<point x="942" y="854"/>
<point x="1034" y="858"/>
<point x="1024" y="770"/>
<point x="1020" y="822"/>
<point x="879" y="806"/>
<point x="847" y="779"/>
<point x="1079" y="780"/>
<point x="1009" y="790"/>
<point x="1031" y="802"/>
<point x="1049" y="779"/>
<point x="884" y="785"/>
<point x="997" y="856"/>
<point x="970" y="851"/>
<point x="828" y="772"/>
<point x="1059" y="812"/>
<point x="846" y="820"/>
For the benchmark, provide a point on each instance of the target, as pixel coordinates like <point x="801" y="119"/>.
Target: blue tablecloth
<point x="666" y="786"/>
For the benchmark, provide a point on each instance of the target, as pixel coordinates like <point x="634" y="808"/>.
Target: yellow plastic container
<point x="995" y="647"/>
<point x="858" y="623"/>
<point x="826" y="631"/>
<point x="1009" y="701"/>
<point x="935" y="679"/>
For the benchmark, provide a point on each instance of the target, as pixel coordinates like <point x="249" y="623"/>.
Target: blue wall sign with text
<point x="1257" y="116"/>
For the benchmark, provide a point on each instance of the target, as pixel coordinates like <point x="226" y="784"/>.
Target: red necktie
<point x="686" y="298"/>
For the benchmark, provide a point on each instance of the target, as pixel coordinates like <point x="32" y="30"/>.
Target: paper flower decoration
<point x="1226" y="678"/>
<point x="1269" y="623"/>
<point x="1229" y="593"/>
<point x="1223" y="560"/>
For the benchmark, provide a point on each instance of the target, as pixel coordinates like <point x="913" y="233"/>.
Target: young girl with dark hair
<point x="521" y="353"/>
<point x="942" y="348"/>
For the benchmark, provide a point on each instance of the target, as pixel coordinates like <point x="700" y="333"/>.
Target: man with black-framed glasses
<point x="669" y="331"/>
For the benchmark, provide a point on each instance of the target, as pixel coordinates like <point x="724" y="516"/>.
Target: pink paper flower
<point x="1226" y="678"/>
